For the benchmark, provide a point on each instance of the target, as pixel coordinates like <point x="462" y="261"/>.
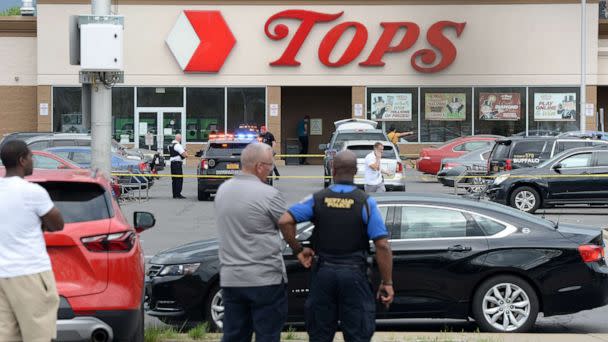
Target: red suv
<point x="97" y="259"/>
<point x="431" y="157"/>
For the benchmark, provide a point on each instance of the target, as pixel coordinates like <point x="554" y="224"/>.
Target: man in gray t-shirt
<point x="252" y="271"/>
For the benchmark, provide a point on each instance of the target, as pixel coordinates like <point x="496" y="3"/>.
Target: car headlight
<point x="183" y="269"/>
<point x="501" y="178"/>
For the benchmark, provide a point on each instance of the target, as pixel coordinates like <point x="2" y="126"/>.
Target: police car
<point x="222" y="158"/>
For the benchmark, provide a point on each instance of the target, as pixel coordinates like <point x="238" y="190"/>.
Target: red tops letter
<point x="436" y="38"/>
<point x="308" y="18"/>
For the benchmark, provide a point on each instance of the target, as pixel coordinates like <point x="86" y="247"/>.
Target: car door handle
<point x="459" y="248"/>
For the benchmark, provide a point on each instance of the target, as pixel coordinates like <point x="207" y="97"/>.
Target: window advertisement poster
<point x="500" y="106"/>
<point x="391" y="107"/>
<point x="445" y="106"/>
<point x="555" y="106"/>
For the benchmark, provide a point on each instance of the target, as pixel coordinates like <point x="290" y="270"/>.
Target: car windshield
<point x="475" y="154"/>
<point x="361" y="151"/>
<point x="225" y="149"/>
<point x="79" y="202"/>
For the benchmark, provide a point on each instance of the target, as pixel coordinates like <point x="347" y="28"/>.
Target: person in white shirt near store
<point x="374" y="179"/>
<point x="28" y="294"/>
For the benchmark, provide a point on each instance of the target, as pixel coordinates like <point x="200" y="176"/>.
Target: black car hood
<point x="196" y="251"/>
<point x="580" y="234"/>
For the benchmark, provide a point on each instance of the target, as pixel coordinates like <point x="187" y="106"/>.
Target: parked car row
<point x="453" y="258"/>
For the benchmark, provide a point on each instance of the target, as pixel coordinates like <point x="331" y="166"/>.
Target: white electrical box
<point x="101" y="47"/>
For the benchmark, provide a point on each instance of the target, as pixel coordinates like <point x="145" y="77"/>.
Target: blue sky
<point x="4" y="4"/>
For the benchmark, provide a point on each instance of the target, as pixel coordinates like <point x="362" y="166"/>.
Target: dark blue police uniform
<point x="345" y="220"/>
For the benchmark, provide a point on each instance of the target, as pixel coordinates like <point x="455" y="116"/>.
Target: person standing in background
<point x="303" y="131"/>
<point x="177" y="154"/>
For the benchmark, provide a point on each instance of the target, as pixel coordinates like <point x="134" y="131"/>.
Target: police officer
<point x="345" y="220"/>
<point x="268" y="138"/>
<point x="177" y="154"/>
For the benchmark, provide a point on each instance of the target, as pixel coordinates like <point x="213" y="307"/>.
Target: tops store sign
<point x="201" y="41"/>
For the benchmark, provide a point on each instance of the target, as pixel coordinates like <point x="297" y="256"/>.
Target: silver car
<point x="390" y="163"/>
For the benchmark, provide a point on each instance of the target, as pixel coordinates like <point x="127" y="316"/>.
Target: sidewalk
<point x="429" y="337"/>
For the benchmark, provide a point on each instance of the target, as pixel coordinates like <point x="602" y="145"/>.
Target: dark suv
<point x="221" y="158"/>
<point x="517" y="152"/>
<point x="575" y="176"/>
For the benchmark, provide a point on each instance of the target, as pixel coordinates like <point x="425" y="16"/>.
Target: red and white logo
<point x="201" y="41"/>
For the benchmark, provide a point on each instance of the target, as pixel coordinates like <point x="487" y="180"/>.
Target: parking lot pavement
<point x="182" y="221"/>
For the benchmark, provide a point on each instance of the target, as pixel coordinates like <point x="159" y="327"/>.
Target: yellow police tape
<point x="423" y="177"/>
<point x="407" y="156"/>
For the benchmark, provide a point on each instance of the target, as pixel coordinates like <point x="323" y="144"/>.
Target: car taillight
<point x="142" y="167"/>
<point x="448" y="166"/>
<point x="204" y="164"/>
<point x="399" y="167"/>
<point x="591" y="253"/>
<point x="508" y="164"/>
<point x="116" y="242"/>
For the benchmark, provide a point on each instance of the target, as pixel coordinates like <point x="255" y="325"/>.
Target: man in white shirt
<point x="374" y="181"/>
<point x="28" y="295"/>
<point x="177" y="154"/>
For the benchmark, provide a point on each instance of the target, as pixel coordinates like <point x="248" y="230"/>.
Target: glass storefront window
<point x="500" y="111"/>
<point x="204" y="113"/>
<point x="446" y="113"/>
<point x="394" y="107"/>
<point x="67" y="110"/>
<point x="123" y="118"/>
<point x="160" y="97"/>
<point x="553" y="110"/>
<point x="246" y="106"/>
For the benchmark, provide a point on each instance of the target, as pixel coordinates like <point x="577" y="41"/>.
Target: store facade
<point x="442" y="71"/>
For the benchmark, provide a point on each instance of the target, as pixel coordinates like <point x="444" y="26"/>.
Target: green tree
<point x="10" y="11"/>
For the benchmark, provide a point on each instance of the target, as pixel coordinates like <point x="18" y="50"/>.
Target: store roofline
<point x="323" y="2"/>
<point x="18" y="26"/>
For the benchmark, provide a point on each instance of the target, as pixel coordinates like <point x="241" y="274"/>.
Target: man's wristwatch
<point x="297" y="250"/>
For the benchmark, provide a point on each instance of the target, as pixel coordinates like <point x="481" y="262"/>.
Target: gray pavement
<point x="187" y="220"/>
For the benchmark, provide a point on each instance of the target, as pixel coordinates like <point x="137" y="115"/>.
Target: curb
<point x="429" y="337"/>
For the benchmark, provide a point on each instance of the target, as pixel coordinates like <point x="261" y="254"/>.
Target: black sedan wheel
<point x="525" y="199"/>
<point x="505" y="304"/>
<point x="214" y="309"/>
<point x="203" y="196"/>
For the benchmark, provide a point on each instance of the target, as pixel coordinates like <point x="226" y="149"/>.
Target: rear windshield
<point x="363" y="150"/>
<point x="225" y="149"/>
<point x="79" y="202"/>
<point x="342" y="137"/>
<point x="501" y="151"/>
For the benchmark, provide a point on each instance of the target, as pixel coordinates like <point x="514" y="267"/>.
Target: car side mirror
<point x="199" y="154"/>
<point x="322" y="147"/>
<point x="557" y="167"/>
<point x="62" y="167"/>
<point x="143" y="221"/>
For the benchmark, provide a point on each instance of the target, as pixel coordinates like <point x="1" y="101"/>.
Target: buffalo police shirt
<point x="376" y="229"/>
<point x="250" y="245"/>
<point x="22" y="246"/>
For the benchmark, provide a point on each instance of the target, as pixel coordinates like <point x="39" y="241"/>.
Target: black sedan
<point x="453" y="258"/>
<point x="576" y="176"/>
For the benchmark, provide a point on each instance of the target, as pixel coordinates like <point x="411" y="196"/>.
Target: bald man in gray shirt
<point x="252" y="272"/>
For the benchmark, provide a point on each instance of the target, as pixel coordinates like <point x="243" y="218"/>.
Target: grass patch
<point x="290" y="334"/>
<point x="158" y="334"/>
<point x="199" y="332"/>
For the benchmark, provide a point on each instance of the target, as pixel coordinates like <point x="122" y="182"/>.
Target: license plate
<point x="232" y="166"/>
<point x="227" y="172"/>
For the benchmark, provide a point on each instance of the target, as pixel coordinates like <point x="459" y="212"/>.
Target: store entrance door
<point x="156" y="128"/>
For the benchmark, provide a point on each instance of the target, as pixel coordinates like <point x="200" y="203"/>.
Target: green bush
<point x="10" y="11"/>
